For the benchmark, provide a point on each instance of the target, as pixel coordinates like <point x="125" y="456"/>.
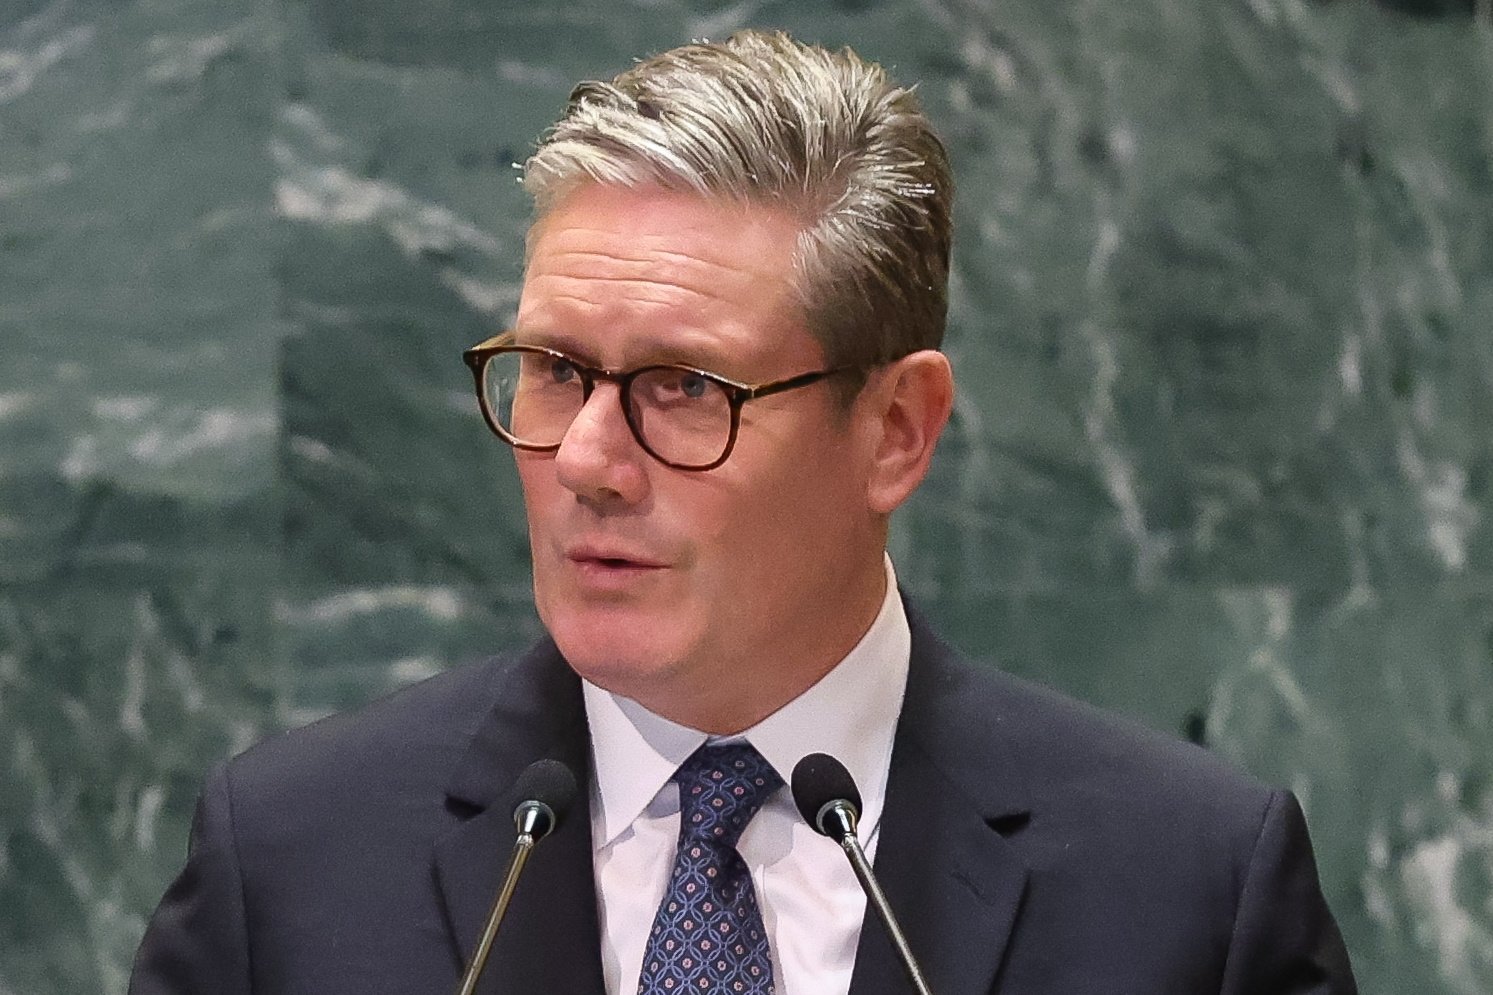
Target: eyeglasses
<point x="683" y="417"/>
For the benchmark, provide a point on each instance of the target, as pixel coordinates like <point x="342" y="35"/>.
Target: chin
<point x="618" y="650"/>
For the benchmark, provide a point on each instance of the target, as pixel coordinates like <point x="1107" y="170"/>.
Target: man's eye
<point x="668" y="387"/>
<point x="562" y="371"/>
<point x="682" y="385"/>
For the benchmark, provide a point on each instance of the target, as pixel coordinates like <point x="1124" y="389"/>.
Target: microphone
<point x="546" y="789"/>
<point x="827" y="798"/>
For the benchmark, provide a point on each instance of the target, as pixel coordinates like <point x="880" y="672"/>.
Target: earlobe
<point x="913" y="401"/>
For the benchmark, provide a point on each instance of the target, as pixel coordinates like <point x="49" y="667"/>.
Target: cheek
<point x="540" y="495"/>
<point x="535" y="475"/>
<point x="788" y="513"/>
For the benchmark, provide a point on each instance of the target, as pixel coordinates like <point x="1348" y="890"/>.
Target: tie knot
<point x="721" y="788"/>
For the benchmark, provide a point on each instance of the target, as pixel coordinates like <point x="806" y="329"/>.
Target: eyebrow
<point x="705" y="359"/>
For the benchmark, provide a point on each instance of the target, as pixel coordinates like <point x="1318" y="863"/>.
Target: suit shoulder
<point x="1066" y="748"/>
<point x="1123" y="745"/>
<point x="411" y="734"/>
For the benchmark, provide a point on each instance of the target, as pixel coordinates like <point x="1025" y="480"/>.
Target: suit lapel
<point x="948" y="872"/>
<point x="550" y="940"/>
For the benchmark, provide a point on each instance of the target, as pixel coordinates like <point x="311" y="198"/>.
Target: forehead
<point x="627" y="272"/>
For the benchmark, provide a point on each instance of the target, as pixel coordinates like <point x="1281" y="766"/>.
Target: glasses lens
<point x="683" y="416"/>
<point x="532" y="396"/>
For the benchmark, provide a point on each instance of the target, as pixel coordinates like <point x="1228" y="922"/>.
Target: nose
<point x="599" y="460"/>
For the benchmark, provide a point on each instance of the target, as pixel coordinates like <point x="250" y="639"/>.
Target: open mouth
<point x="606" y="563"/>
<point x="610" y="564"/>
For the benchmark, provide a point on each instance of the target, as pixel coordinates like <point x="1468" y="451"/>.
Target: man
<point x="722" y="380"/>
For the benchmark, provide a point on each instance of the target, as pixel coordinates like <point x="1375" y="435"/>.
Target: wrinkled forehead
<point x="755" y="207"/>
<point x="618" y="261"/>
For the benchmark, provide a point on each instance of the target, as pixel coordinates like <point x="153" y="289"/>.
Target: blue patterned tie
<point x="708" y="935"/>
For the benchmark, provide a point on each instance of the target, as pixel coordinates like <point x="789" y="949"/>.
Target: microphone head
<point x="546" y="790"/>
<point x="819" y="783"/>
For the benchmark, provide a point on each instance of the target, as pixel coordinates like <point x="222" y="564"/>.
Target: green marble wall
<point x="1223" y="321"/>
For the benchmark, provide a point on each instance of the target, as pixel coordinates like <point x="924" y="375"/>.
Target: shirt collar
<point x="851" y="714"/>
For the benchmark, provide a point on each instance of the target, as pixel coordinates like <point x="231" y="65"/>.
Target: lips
<point x="609" y="572"/>
<point x="607" y="557"/>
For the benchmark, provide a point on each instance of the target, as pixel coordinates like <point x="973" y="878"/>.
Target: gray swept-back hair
<point x="763" y="119"/>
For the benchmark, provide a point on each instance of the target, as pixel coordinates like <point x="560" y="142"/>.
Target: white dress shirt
<point x="811" y="902"/>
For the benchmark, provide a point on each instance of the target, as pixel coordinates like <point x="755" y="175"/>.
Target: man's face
<point x="710" y="597"/>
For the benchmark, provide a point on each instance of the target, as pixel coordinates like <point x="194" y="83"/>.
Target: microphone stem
<point x="521" y="849"/>
<point x="862" y="867"/>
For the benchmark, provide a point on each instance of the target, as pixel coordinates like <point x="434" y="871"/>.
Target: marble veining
<point x="1221" y="318"/>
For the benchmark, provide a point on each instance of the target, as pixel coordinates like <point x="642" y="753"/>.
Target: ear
<point x="911" y="400"/>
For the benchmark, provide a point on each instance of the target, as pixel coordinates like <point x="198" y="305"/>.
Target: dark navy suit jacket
<point x="1029" y="845"/>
